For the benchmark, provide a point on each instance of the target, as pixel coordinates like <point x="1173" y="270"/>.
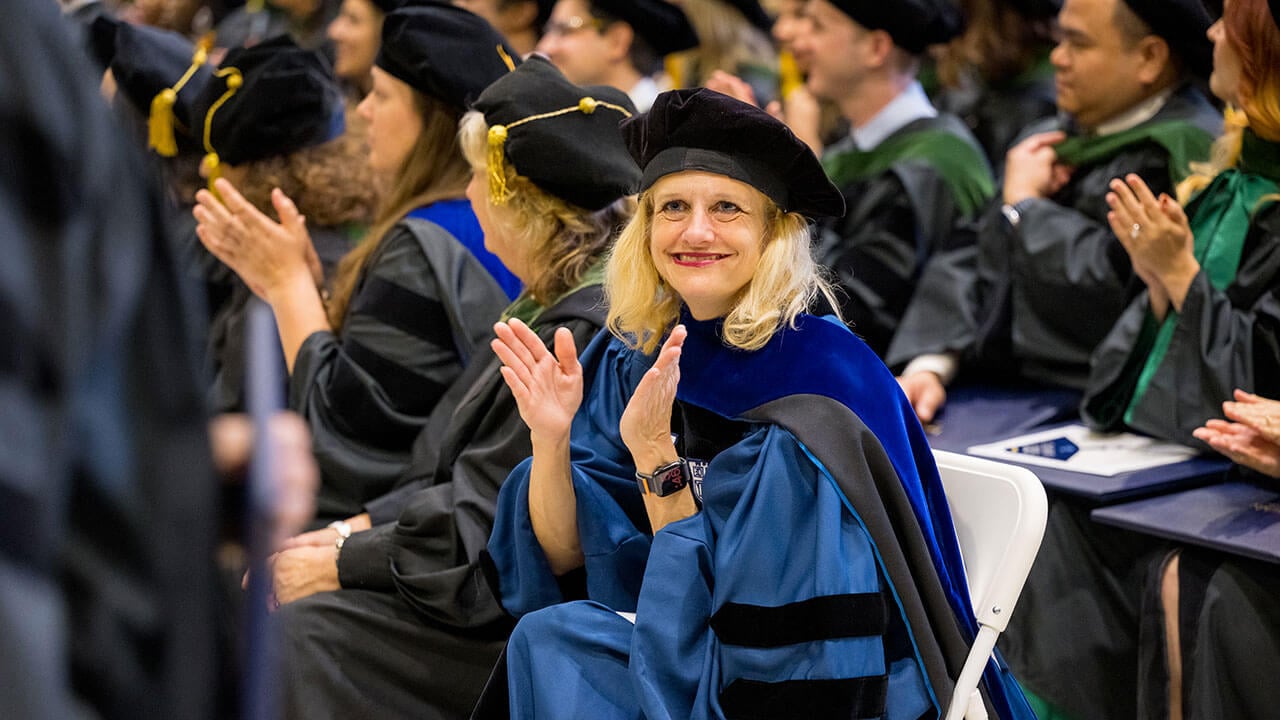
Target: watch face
<point x="669" y="479"/>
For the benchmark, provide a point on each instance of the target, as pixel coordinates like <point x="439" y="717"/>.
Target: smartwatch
<point x="666" y="480"/>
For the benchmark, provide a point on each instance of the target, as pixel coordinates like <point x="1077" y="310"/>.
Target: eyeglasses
<point x="571" y="25"/>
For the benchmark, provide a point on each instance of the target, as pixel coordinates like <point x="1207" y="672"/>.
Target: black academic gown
<point x="416" y="629"/>
<point x="422" y="309"/>
<point x="1033" y="301"/>
<point x="1225" y="339"/>
<point x="997" y="114"/>
<point x="895" y="221"/>
<point x="107" y="500"/>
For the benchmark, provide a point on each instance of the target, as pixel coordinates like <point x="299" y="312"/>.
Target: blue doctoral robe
<point x="821" y="578"/>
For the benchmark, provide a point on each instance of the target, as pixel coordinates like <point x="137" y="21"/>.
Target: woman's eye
<point x="672" y="206"/>
<point x="724" y="207"/>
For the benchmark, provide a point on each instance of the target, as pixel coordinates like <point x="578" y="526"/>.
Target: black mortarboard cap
<point x="270" y="99"/>
<point x="444" y="51"/>
<point x="662" y="25"/>
<point x="700" y="129"/>
<point x="563" y="137"/>
<point x="755" y="14"/>
<point x="913" y="24"/>
<point x="1183" y="24"/>
<point x="161" y="73"/>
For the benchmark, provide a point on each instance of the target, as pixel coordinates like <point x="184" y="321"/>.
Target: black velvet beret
<point x="700" y="129"/>
<point x="446" y="52"/>
<point x="753" y="12"/>
<point x="270" y="99"/>
<point x="662" y="25"/>
<point x="161" y="73"/>
<point x="563" y="137"/>
<point x="913" y="24"/>
<point x="1183" y="24"/>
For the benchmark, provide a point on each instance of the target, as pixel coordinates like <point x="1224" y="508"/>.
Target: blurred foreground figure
<point x="107" y="502"/>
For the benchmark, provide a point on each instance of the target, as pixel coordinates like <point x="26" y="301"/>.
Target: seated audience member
<point x="1211" y="643"/>
<point x="908" y="174"/>
<point x="1208" y="319"/>
<point x="519" y="21"/>
<point x="997" y="76"/>
<point x="411" y="304"/>
<point x="1047" y="278"/>
<point x="620" y="43"/>
<point x="305" y="21"/>
<point x="715" y="418"/>
<point x="733" y="37"/>
<point x="356" y="34"/>
<point x="298" y="148"/>
<point x="414" y="630"/>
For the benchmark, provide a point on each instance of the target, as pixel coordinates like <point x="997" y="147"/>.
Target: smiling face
<point x="395" y="122"/>
<point x="706" y="236"/>
<point x="356" y="35"/>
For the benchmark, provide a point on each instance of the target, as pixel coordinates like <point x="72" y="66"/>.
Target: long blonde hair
<point x="434" y="170"/>
<point x="1255" y="39"/>
<point x="786" y="281"/>
<point x="564" y="241"/>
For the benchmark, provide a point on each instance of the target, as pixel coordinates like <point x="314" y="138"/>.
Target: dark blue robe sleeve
<point x="612" y="524"/>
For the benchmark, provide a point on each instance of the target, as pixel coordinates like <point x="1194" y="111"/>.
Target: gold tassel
<point x="506" y="59"/>
<point x="498" y="193"/>
<point x="212" y="167"/>
<point x="160" y="123"/>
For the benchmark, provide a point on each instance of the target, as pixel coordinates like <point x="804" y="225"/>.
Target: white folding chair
<point x="999" y="511"/>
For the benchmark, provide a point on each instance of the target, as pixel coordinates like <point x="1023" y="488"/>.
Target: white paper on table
<point x="1094" y="453"/>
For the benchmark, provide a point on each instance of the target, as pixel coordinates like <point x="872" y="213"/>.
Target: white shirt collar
<point x="1135" y="115"/>
<point x="910" y="105"/>
<point x="644" y="93"/>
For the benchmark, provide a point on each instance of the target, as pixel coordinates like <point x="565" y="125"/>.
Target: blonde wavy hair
<point x="563" y="240"/>
<point x="642" y="306"/>
<point x="1255" y="40"/>
<point x="434" y="170"/>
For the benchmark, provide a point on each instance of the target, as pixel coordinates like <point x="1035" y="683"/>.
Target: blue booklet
<point x="1236" y="517"/>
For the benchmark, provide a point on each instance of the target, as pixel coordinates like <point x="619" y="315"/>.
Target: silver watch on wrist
<point x="344" y="531"/>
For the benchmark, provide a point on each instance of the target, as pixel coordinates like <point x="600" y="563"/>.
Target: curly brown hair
<point x="330" y="183"/>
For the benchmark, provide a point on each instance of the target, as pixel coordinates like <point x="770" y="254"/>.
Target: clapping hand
<point x="1252" y="435"/>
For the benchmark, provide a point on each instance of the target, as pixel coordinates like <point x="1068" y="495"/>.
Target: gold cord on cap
<point x="498" y="192"/>
<point x="160" y="135"/>
<point x="212" y="164"/>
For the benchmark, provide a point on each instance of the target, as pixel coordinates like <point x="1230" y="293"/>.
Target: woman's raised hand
<point x="547" y="387"/>
<point x="646" y="423"/>
<point x="267" y="255"/>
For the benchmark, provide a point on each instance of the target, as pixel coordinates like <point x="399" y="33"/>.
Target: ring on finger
<point x="1135" y="231"/>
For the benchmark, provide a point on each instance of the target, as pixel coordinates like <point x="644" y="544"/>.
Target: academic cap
<point x="700" y="129"/>
<point x="1275" y="11"/>
<point x="1182" y="24"/>
<point x="161" y="73"/>
<point x="270" y="99"/>
<point x="662" y="25"/>
<point x="563" y="137"/>
<point x="446" y="52"/>
<point x="913" y="24"/>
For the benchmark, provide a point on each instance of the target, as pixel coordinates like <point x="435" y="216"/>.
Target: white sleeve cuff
<point x="944" y="365"/>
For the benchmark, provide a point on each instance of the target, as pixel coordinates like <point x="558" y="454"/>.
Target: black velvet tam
<point x="148" y="60"/>
<point x="563" y="137"/>
<point x="1183" y="24"/>
<point x="661" y="24"/>
<point x="444" y="51"/>
<point x="913" y="24"/>
<point x="700" y="129"/>
<point x="270" y="99"/>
